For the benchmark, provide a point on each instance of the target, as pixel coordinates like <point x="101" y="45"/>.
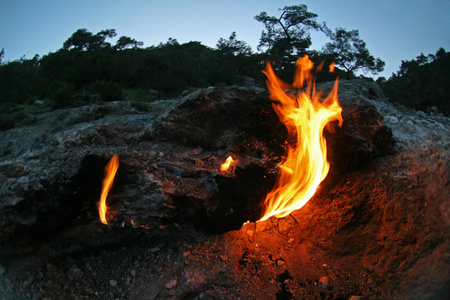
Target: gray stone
<point x="421" y="114"/>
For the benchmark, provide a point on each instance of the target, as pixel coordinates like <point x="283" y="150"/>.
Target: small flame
<point x="110" y="173"/>
<point x="332" y="67"/>
<point x="305" y="117"/>
<point x="226" y="165"/>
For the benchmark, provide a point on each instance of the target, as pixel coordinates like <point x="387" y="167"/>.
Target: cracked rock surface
<point x="377" y="227"/>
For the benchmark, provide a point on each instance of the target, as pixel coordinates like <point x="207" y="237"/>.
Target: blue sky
<point x="394" y="30"/>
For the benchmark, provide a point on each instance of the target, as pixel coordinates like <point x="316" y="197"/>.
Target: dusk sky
<point x="394" y="30"/>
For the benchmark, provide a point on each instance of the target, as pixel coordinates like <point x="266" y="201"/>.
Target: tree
<point x="350" y="52"/>
<point x="124" y="42"/>
<point x="233" y="46"/>
<point x="2" y="53"/>
<point x="84" y="40"/>
<point x="287" y="37"/>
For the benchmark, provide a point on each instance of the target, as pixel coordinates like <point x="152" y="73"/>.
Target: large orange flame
<point x="110" y="173"/>
<point x="305" y="117"/>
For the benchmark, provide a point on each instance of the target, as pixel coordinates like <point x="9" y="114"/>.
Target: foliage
<point x="124" y="42"/>
<point x="89" y="69"/>
<point x="422" y="82"/>
<point x="350" y="52"/>
<point x="287" y="37"/>
<point x="83" y="40"/>
<point x="233" y="46"/>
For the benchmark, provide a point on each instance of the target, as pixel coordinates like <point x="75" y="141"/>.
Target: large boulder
<point x="51" y="172"/>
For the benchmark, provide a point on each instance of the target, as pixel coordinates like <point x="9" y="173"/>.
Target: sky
<point x="394" y="30"/>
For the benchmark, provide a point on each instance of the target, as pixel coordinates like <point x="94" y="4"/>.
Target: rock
<point x="245" y="81"/>
<point x="421" y="114"/>
<point x="74" y="273"/>
<point x="261" y="226"/>
<point x="50" y="267"/>
<point x="50" y="183"/>
<point x="38" y="102"/>
<point x="363" y="135"/>
<point x="280" y="262"/>
<point x="113" y="283"/>
<point x="152" y="93"/>
<point x="324" y="282"/>
<point x="171" y="284"/>
<point x="435" y="110"/>
<point x="356" y="298"/>
<point x="283" y="226"/>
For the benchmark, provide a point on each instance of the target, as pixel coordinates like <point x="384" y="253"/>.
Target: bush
<point x="108" y="91"/>
<point x="61" y="92"/>
<point x="137" y="95"/>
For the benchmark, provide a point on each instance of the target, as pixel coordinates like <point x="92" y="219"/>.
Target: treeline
<point x="422" y="83"/>
<point x="89" y="68"/>
<point x="85" y="71"/>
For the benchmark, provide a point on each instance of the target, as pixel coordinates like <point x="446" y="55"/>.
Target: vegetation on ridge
<point x="89" y="69"/>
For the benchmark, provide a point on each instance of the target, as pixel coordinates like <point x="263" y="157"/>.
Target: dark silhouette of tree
<point x="125" y="42"/>
<point x="84" y="40"/>
<point x="350" y="53"/>
<point x="2" y="54"/>
<point x="287" y="37"/>
<point x="422" y="83"/>
<point x="233" y="46"/>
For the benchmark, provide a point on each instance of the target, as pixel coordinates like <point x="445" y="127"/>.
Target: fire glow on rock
<point x="305" y="164"/>
<point x="305" y="116"/>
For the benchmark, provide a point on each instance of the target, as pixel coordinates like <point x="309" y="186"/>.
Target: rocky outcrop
<point x="51" y="171"/>
<point x="381" y="212"/>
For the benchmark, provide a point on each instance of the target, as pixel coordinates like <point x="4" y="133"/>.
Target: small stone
<point x="75" y="273"/>
<point x="283" y="226"/>
<point x="356" y="298"/>
<point x="420" y="113"/>
<point x="154" y="250"/>
<point x="197" y="151"/>
<point x="324" y="282"/>
<point x="133" y="273"/>
<point x="113" y="283"/>
<point x="250" y="233"/>
<point x="261" y="226"/>
<point x="280" y="263"/>
<point x="291" y="240"/>
<point x="435" y="110"/>
<point x="186" y="254"/>
<point x="171" y="284"/>
<point x="50" y="267"/>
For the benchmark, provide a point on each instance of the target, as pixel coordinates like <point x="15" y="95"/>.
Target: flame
<point x="226" y="165"/>
<point x="305" y="117"/>
<point x="110" y="173"/>
<point x="332" y="67"/>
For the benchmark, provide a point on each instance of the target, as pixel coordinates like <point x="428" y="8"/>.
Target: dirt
<point x="251" y="263"/>
<point x="380" y="232"/>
